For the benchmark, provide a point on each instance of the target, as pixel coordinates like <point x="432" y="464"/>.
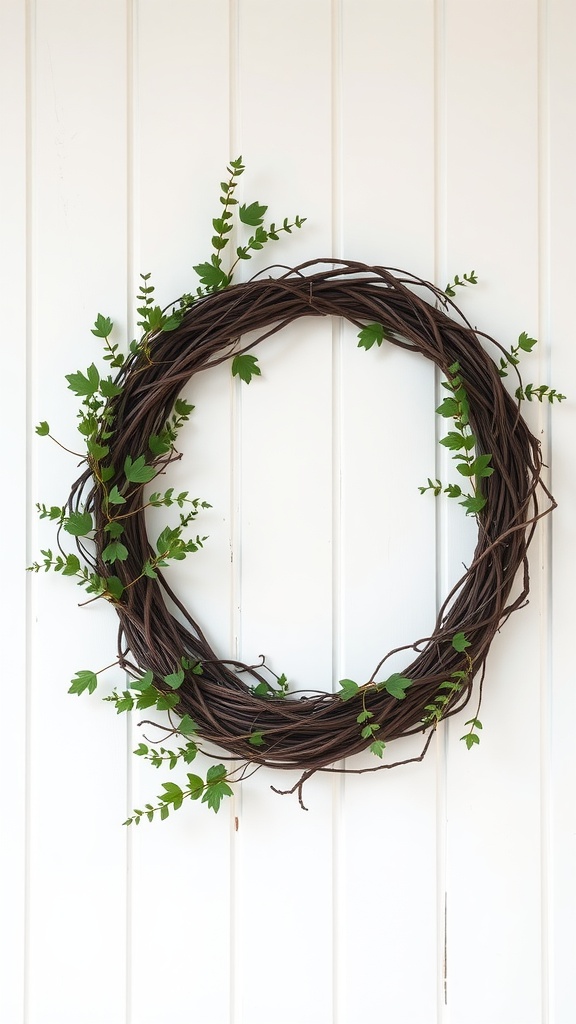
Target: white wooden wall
<point x="433" y="136"/>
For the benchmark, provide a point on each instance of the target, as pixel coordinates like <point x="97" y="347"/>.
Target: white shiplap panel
<point x="560" y="138"/>
<point x="13" y="124"/>
<point x="77" y="764"/>
<point x="283" y="870"/>
<point x="388" y="858"/>
<point x="490" y="223"/>
<point x="181" y="868"/>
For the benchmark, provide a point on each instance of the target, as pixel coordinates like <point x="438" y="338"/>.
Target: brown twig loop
<point x="312" y="733"/>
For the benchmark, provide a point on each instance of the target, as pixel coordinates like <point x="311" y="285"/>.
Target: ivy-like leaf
<point x="245" y="366"/>
<point x="349" y="689"/>
<point x="372" y="334"/>
<point x="83" y="680"/>
<point x="136" y="470"/>
<point x="115" y="498"/>
<point x="460" y="643"/>
<point x="175" y="679"/>
<point x="187" y="726"/>
<point x="102" y="326"/>
<point x="84" y="385"/>
<point x="43" y="429"/>
<point x="396" y="685"/>
<point x="212" y="276"/>
<point x="115" y="551"/>
<point x="252" y="215"/>
<point x="78" y="524"/>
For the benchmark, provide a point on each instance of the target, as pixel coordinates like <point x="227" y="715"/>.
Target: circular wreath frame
<point x="313" y="733"/>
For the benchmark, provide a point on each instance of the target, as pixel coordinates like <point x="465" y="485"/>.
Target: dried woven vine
<point x="312" y="734"/>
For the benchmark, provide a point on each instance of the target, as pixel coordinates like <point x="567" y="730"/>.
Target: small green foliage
<point x="460" y="282"/>
<point x="530" y="391"/>
<point x="55" y="513"/>
<point x="396" y="685"/>
<point x="372" y="334"/>
<point x="256" y="739"/>
<point x="459" y="642"/>
<point x="78" y="524"/>
<point x="136" y="471"/>
<point x="43" y="429"/>
<point x="348" y="689"/>
<point x="245" y="366"/>
<point x="279" y="691"/>
<point x="216" y="787"/>
<point x="83" y="680"/>
<point x="462" y="443"/>
<point x="253" y="214"/>
<point x="84" y="385"/>
<point x="471" y="738"/>
<point x="377" y="748"/>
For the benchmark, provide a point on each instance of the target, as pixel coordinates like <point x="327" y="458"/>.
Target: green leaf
<point x="102" y="326"/>
<point x="144" y="683"/>
<point x="257" y="739"/>
<point x="84" y="386"/>
<point x="525" y="343"/>
<point x="136" y="470"/>
<point x="96" y="450"/>
<point x="109" y="389"/>
<point x="159" y="444"/>
<point x="83" y="680"/>
<point x="115" y="498"/>
<point x="141" y="750"/>
<point x="167" y="701"/>
<point x="183" y="408"/>
<point x="175" y="679"/>
<point x="368" y="731"/>
<point x="187" y="726"/>
<point x="460" y="643"/>
<point x="245" y="366"/>
<point x="216" y="788"/>
<point x="114" y="587"/>
<point x="453" y="491"/>
<point x="147" y="699"/>
<point x="396" y="685"/>
<point x="72" y="565"/>
<point x="212" y="276"/>
<point x="470" y="739"/>
<point x="43" y="429"/>
<point x="453" y="441"/>
<point x="449" y="408"/>
<point x="481" y="467"/>
<point x="372" y="334"/>
<point x="377" y="748"/>
<point x="78" y="524"/>
<point x="196" y="786"/>
<point x="473" y="504"/>
<point x="349" y="689"/>
<point x="115" y="551"/>
<point x="253" y="214"/>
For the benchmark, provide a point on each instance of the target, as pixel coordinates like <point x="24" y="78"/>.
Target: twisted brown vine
<point x="312" y="733"/>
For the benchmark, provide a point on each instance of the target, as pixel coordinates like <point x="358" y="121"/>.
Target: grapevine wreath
<point x="130" y="424"/>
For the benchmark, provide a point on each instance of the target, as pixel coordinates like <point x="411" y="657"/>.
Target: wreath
<point x="130" y="423"/>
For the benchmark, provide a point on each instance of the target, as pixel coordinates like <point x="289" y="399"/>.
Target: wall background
<point x="435" y="136"/>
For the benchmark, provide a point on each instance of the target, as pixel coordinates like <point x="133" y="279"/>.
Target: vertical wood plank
<point x="181" y="149"/>
<point x="494" y="879"/>
<point x="284" y="855"/>
<point x="77" y="847"/>
<point x="388" y="569"/>
<point x="560" y="162"/>
<point x="13" y="778"/>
